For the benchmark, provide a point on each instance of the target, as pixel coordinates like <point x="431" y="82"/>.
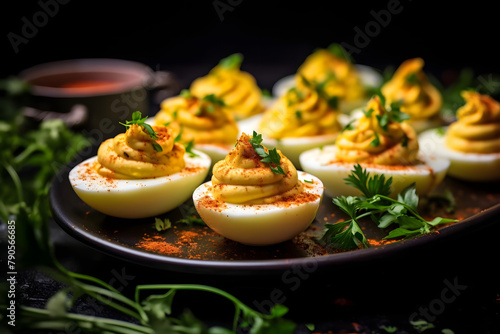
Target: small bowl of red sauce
<point x="93" y="94"/>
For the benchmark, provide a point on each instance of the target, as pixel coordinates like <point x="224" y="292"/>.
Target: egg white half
<point x="291" y="147"/>
<point x="138" y="198"/>
<point x="473" y="167"/>
<point x="214" y="151"/>
<point x="260" y="224"/>
<point x="320" y="162"/>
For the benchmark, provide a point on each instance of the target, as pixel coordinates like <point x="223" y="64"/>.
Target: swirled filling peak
<point x="305" y="110"/>
<point x="412" y="89"/>
<point x="477" y="129"/>
<point x="238" y="89"/>
<point x="332" y="68"/>
<point x="143" y="151"/>
<point x="244" y="176"/>
<point x="204" y="120"/>
<point x="379" y="136"/>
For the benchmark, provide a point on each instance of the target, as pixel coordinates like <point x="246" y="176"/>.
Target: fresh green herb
<point x="368" y="113"/>
<point x="186" y="93"/>
<point x="271" y="157"/>
<point x="189" y="149"/>
<point x="298" y="114"/>
<point x="294" y="96"/>
<point x="375" y="142"/>
<point x="338" y="51"/>
<point x="36" y="154"/>
<point x="319" y="88"/>
<point x="178" y="138"/>
<point x="189" y="215"/>
<point x="393" y="113"/>
<point x="211" y="102"/>
<point x="232" y="62"/>
<point x="141" y="121"/>
<point x="162" y="224"/>
<point x="266" y="93"/>
<point x="412" y="79"/>
<point x="440" y="131"/>
<point x="370" y="186"/>
<point x="349" y="126"/>
<point x="383" y="210"/>
<point x="308" y="181"/>
<point x="404" y="142"/>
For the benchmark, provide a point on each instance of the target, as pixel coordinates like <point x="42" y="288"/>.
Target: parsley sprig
<point x="393" y="113"/>
<point x="271" y="157"/>
<point x="232" y="62"/>
<point x="383" y="210"/>
<point x="211" y="101"/>
<point x="319" y="87"/>
<point x="141" y="121"/>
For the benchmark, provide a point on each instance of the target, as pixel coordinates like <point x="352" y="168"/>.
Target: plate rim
<point x="252" y="267"/>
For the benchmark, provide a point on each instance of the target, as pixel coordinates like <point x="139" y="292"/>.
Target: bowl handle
<point x="163" y="85"/>
<point x="75" y="118"/>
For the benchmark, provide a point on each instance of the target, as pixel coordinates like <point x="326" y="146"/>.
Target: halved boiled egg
<point x="427" y="174"/>
<point x="475" y="167"/>
<point x="138" y="198"/>
<point x="292" y="147"/>
<point x="261" y="224"/>
<point x="369" y="77"/>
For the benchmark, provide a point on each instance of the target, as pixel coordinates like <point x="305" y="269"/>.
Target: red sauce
<point x="89" y="85"/>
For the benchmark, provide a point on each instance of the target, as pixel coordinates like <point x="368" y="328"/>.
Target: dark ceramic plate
<point x="192" y="248"/>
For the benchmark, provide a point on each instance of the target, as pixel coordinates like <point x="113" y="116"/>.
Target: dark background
<point x="188" y="38"/>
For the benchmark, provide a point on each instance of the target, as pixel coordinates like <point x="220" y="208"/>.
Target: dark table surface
<point x="453" y="284"/>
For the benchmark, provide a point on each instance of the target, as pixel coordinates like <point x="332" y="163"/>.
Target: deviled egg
<point x="204" y="122"/>
<point x="140" y="173"/>
<point x="472" y="143"/>
<point x="303" y="118"/>
<point x="332" y="68"/>
<point x="257" y="197"/>
<point x="416" y="95"/>
<point x="381" y="143"/>
<point x="238" y="89"/>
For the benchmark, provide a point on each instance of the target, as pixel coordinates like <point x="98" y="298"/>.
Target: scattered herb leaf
<point x="162" y="224"/>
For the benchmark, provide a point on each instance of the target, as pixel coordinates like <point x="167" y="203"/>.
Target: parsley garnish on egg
<point x="272" y="157"/>
<point x="139" y="120"/>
